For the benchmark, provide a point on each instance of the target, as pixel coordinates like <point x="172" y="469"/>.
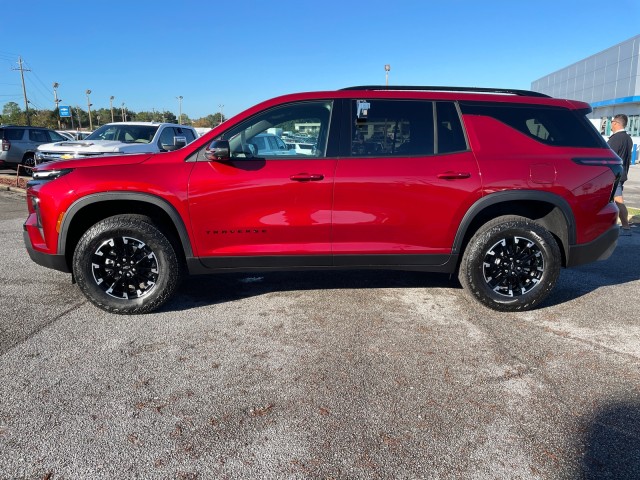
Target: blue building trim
<point x="615" y="101"/>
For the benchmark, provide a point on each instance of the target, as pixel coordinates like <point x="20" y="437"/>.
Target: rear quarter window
<point x="554" y="126"/>
<point x="13" y="133"/>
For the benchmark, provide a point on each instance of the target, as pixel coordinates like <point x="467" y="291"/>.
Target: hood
<point x="94" y="162"/>
<point x="96" y="146"/>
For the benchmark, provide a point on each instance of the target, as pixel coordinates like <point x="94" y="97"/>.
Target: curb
<point x="9" y="188"/>
<point x="10" y="183"/>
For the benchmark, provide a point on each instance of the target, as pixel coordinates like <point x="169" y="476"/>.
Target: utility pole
<point x="24" y="90"/>
<point x="55" y="95"/>
<point x="111" y="104"/>
<point x="89" y="108"/>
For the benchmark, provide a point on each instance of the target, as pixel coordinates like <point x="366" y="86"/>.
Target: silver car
<point x="19" y="144"/>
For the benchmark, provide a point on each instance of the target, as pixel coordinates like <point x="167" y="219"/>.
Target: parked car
<point x="501" y="187"/>
<point x="121" y="138"/>
<point x="267" y="144"/>
<point x="19" y="143"/>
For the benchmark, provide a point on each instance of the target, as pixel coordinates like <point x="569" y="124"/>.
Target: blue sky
<point x="147" y="53"/>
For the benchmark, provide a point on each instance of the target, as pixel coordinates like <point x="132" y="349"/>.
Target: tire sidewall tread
<point x="136" y="226"/>
<point x="471" y="275"/>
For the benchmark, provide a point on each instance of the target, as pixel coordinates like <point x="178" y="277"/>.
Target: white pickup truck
<point x="120" y="138"/>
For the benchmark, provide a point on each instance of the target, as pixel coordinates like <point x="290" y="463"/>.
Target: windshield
<point x="125" y="133"/>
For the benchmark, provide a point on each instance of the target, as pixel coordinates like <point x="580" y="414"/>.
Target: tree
<point x="12" y="113"/>
<point x="209" y="121"/>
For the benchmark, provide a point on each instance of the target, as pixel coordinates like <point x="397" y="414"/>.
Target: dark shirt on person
<point x="621" y="143"/>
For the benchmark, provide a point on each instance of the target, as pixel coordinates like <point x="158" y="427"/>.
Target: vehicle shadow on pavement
<point x="612" y="443"/>
<point x="622" y="267"/>
<point x="221" y="288"/>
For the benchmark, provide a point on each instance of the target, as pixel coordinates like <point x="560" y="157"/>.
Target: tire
<point x="29" y="160"/>
<point x="511" y="264"/>
<point x="124" y="264"/>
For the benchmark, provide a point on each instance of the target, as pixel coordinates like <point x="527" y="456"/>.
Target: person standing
<point x="621" y="143"/>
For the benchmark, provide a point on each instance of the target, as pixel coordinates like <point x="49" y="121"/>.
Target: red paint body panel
<point x="254" y="207"/>
<point x="399" y="205"/>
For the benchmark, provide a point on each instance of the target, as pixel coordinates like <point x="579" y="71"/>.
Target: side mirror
<point x="178" y="143"/>
<point x="218" y="151"/>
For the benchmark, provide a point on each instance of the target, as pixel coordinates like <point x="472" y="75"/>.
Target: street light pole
<point x="180" y="115"/>
<point x="387" y="68"/>
<point x="89" y="108"/>
<point x="124" y="113"/>
<point x="111" y="105"/>
<point x="221" y="106"/>
<point x="55" y="96"/>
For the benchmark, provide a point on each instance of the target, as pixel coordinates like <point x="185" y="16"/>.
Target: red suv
<point x="504" y="187"/>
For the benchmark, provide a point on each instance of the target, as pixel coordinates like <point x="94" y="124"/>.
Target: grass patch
<point x="634" y="215"/>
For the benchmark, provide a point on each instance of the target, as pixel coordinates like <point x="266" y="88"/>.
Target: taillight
<point x="598" y="162"/>
<point x="614" y="163"/>
<point x="6" y="145"/>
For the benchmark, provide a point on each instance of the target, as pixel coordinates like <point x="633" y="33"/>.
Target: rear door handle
<point x="307" y="177"/>
<point x="453" y="175"/>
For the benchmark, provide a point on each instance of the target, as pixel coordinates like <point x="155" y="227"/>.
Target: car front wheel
<point x="510" y="264"/>
<point x="124" y="264"/>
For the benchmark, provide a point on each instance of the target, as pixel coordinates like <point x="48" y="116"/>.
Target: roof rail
<point x="430" y="88"/>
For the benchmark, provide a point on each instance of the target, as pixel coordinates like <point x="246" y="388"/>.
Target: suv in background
<point x="19" y="143"/>
<point x="501" y="187"/>
<point x="121" y="138"/>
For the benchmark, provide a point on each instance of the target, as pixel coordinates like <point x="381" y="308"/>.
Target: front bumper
<point x="54" y="261"/>
<point x="599" y="249"/>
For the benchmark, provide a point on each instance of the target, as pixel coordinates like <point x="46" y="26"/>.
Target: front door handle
<point x="453" y="175"/>
<point x="307" y="177"/>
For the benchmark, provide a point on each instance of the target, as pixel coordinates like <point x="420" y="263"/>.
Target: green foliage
<point x="209" y="121"/>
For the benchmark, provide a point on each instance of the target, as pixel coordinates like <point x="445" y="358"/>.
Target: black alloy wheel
<point x="511" y="264"/>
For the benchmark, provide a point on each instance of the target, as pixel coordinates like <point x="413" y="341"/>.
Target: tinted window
<point x="450" y="133"/>
<point x="39" y="136"/>
<point x="383" y="128"/>
<point x="550" y="125"/>
<point x="13" y="133"/>
<point x="167" y="137"/>
<point x="187" y="133"/>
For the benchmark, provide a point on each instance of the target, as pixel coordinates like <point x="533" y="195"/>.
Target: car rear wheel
<point x="125" y="264"/>
<point x="510" y="264"/>
<point x="29" y="161"/>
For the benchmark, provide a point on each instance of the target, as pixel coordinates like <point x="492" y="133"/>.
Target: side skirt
<point x="420" y="263"/>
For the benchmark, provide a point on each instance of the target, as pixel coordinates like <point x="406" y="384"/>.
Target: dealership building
<point x="609" y="81"/>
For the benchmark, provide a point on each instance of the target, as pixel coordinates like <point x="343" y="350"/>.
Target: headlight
<point x="39" y="156"/>
<point x="50" y="174"/>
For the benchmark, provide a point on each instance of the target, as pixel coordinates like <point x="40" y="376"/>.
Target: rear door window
<point x="384" y="128"/>
<point x="39" y="136"/>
